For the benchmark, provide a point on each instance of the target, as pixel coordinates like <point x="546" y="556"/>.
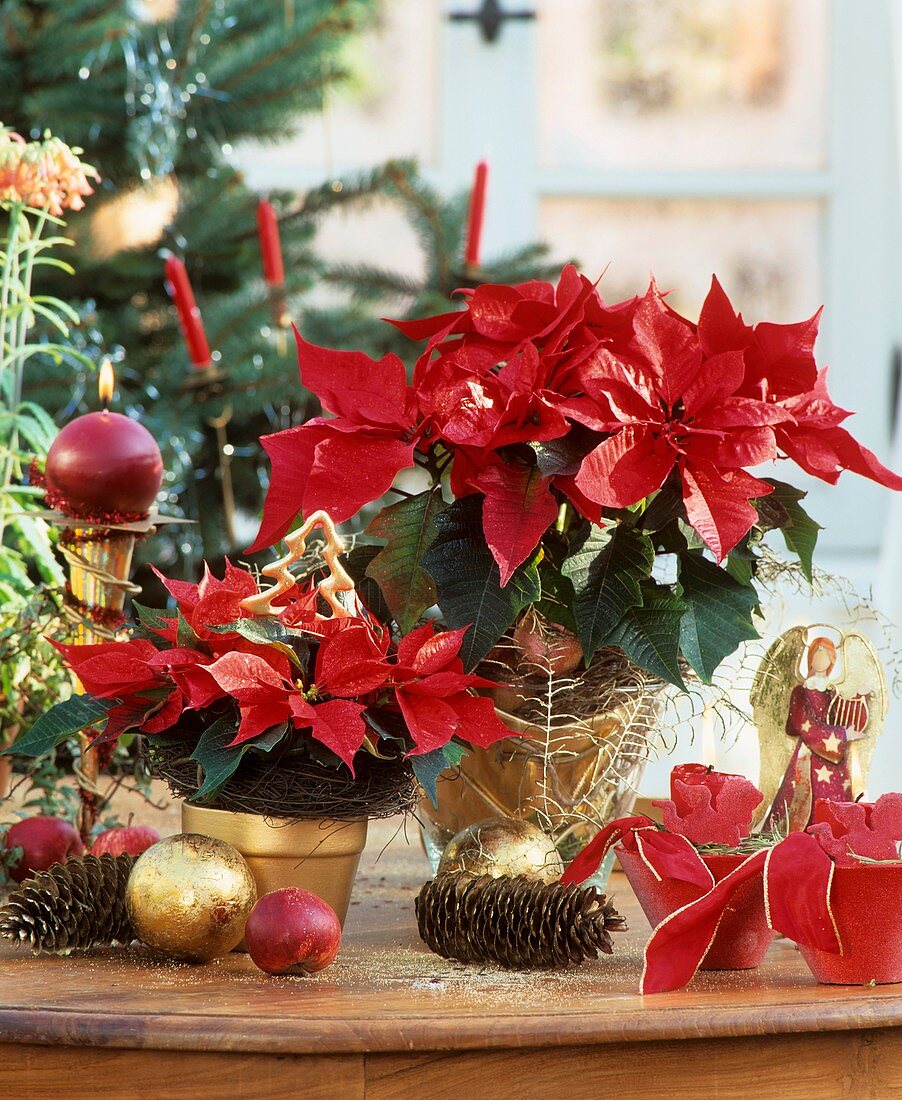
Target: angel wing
<point x="862" y="674"/>
<point x="777" y="675"/>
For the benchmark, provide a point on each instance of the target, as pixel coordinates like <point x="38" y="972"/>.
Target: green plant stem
<point x="17" y="319"/>
<point x="10" y="262"/>
<point x="9" y="346"/>
<point x="26" y="318"/>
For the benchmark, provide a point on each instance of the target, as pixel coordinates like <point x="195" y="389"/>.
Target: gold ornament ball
<point x="503" y="847"/>
<point x="189" y="896"/>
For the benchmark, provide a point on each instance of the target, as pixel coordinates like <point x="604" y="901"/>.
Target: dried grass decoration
<point x="291" y="785"/>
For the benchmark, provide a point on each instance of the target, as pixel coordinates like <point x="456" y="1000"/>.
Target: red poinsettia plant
<point x="227" y="680"/>
<point x="566" y="445"/>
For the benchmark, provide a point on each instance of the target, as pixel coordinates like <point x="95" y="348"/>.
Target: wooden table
<point x="391" y="1020"/>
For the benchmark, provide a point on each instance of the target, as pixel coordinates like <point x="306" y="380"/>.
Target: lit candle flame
<point x="106" y="383"/>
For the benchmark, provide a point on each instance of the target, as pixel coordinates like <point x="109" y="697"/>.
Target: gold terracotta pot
<point x="588" y="778"/>
<point x="319" y="856"/>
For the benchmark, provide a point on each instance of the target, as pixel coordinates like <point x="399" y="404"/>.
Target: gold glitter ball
<point x="503" y="847"/>
<point x="189" y="896"/>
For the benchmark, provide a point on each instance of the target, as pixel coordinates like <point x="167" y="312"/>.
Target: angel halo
<point x="819" y="701"/>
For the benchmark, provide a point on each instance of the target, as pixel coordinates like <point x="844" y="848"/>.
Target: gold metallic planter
<point x="319" y="856"/>
<point x="585" y="778"/>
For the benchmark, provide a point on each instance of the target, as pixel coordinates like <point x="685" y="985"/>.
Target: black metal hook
<point x="490" y="17"/>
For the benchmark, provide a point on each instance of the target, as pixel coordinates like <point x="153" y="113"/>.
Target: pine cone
<point x="515" y="922"/>
<point x="77" y="904"/>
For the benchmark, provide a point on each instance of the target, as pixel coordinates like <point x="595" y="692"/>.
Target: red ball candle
<point x="103" y="464"/>
<point x="189" y="315"/>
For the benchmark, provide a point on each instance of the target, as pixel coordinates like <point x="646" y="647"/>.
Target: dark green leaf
<point x="219" y="762"/>
<point x="771" y="513"/>
<point x="427" y="768"/>
<point x="800" y="535"/>
<point x="741" y="569"/>
<point x="556" y="603"/>
<point x="650" y="634"/>
<point x="718" y="613"/>
<point x="606" y="571"/>
<point x="357" y="563"/>
<point x="186" y="636"/>
<point x="468" y="581"/>
<point x="563" y="456"/>
<point x="664" y="507"/>
<point x="152" y="618"/>
<point x="266" y="631"/>
<point x="409" y="528"/>
<point x="58" y="723"/>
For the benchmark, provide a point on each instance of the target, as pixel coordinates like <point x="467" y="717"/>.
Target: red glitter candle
<point x="476" y="215"/>
<point x="270" y="244"/>
<point x="180" y="291"/>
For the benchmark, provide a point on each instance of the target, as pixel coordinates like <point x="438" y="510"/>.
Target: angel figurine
<point x="819" y="705"/>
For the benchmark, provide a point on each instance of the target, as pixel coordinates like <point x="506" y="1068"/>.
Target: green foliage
<point x="430" y="765"/>
<point x="469" y="583"/>
<point x="269" y="632"/>
<point x="649" y="633"/>
<point x="409" y="528"/>
<point x="219" y="762"/>
<point x="799" y="531"/>
<point x="600" y="581"/>
<point x="718" y="613"/>
<point x="73" y="715"/>
<point x="606" y="570"/>
<point x="32" y="674"/>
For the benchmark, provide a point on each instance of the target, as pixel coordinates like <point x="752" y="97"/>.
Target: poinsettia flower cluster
<point x="541" y="395"/>
<point x="331" y="679"/>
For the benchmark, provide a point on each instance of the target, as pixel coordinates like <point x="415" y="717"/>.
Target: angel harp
<point x="819" y="703"/>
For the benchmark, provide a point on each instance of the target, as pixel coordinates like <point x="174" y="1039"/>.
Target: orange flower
<point x="45" y="174"/>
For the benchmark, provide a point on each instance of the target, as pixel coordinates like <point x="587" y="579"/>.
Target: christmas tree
<point x="160" y="91"/>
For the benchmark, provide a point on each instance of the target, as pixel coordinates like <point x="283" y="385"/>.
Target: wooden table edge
<point x="343" y="1035"/>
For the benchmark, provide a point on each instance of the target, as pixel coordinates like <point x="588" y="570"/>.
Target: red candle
<point x="189" y="315"/>
<point x="270" y="244"/>
<point x="103" y="464"/>
<point x="477" y="212"/>
<point x="723" y="815"/>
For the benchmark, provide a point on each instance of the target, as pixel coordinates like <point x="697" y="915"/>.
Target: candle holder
<point x="99" y="559"/>
<point x="102" y="475"/>
<point x="100" y="562"/>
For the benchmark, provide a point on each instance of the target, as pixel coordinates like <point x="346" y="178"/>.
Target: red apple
<point x="292" y="931"/>
<point x="127" y="839"/>
<point x="44" y="841"/>
<point x="547" y="646"/>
